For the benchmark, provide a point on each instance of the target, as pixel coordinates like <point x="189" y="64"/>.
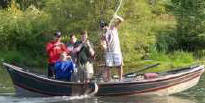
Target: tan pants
<point x="85" y="72"/>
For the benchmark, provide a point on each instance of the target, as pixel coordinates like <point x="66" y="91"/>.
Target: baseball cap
<point x="103" y="24"/>
<point x="58" y="34"/>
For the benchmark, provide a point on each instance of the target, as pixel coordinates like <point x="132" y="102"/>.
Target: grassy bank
<point x="6" y="85"/>
<point x="167" y="61"/>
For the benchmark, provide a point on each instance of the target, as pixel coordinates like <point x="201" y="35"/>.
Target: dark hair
<point x="71" y="35"/>
<point x="103" y="24"/>
<point x="84" y="32"/>
<point x="57" y="34"/>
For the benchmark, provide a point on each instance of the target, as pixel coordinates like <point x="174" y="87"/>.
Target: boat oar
<point x="146" y="68"/>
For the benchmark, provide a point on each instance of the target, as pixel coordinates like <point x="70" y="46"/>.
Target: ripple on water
<point x="11" y="98"/>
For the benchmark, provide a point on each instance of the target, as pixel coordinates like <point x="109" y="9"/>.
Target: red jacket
<point x="54" y="49"/>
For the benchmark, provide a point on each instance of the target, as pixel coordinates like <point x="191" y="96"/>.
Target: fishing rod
<point x="143" y="69"/>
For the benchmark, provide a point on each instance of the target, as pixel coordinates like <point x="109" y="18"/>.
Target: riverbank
<point x="6" y="85"/>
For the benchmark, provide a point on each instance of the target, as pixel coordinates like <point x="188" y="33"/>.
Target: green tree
<point x="190" y="18"/>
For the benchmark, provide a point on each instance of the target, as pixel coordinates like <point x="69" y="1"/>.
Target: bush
<point x="24" y="31"/>
<point x="190" y="23"/>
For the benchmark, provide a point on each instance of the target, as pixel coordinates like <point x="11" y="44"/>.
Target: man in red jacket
<point x="54" y="49"/>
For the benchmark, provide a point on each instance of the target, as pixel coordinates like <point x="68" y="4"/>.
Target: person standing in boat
<point x="64" y="68"/>
<point x="54" y="49"/>
<point x="85" y="55"/>
<point x="111" y="44"/>
<point x="70" y="46"/>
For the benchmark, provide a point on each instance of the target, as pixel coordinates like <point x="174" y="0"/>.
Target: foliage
<point x="190" y="18"/>
<point x="136" y="33"/>
<point x="174" y="59"/>
<point x="22" y="30"/>
<point x="158" y="6"/>
<point x="26" y="26"/>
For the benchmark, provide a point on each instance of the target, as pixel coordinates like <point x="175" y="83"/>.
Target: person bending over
<point x="64" y="67"/>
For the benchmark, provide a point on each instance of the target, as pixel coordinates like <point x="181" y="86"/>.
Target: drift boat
<point x="164" y="83"/>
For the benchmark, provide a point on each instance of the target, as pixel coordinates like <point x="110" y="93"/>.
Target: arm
<point x="91" y="50"/>
<point x="49" y="46"/>
<point x="119" y="20"/>
<point x="103" y="42"/>
<point x="65" y="49"/>
<point x="77" y="49"/>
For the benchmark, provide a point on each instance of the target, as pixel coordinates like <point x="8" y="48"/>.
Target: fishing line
<point x="115" y="13"/>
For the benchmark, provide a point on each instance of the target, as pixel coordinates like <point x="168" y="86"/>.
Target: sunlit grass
<point x="6" y="85"/>
<point x="167" y="61"/>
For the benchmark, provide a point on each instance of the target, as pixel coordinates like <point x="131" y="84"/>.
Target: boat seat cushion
<point x="150" y="75"/>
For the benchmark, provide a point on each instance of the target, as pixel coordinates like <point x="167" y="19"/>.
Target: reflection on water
<point x="124" y="99"/>
<point x="133" y="99"/>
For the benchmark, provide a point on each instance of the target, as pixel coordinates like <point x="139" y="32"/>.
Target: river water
<point x="193" y="95"/>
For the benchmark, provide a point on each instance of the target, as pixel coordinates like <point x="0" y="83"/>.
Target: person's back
<point x="64" y="68"/>
<point x="71" y="45"/>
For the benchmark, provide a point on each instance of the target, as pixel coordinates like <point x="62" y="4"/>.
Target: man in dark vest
<point x="85" y="54"/>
